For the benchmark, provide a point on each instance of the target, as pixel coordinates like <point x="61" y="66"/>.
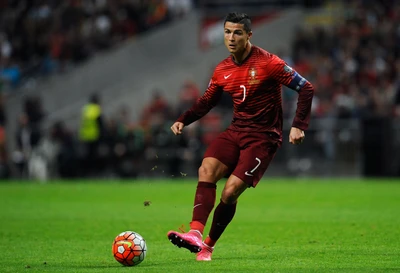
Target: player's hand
<point x="296" y="136"/>
<point x="177" y="128"/>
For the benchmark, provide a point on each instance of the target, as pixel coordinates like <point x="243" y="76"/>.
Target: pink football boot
<point x="191" y="240"/>
<point x="205" y="253"/>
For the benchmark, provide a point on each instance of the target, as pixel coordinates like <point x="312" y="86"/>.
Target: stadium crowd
<point x="39" y="37"/>
<point x="353" y="64"/>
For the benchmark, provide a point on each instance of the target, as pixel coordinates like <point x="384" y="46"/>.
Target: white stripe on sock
<point x="195" y="230"/>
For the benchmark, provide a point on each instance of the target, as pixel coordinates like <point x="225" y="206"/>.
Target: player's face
<point x="235" y="37"/>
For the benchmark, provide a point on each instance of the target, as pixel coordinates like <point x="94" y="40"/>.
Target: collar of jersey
<point x="245" y="59"/>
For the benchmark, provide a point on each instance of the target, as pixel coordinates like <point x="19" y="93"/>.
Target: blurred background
<point x="90" y="88"/>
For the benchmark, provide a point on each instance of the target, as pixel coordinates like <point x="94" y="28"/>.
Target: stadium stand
<point x="38" y="38"/>
<point x="339" y="47"/>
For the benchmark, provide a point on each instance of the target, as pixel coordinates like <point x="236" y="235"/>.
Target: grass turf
<point x="281" y="226"/>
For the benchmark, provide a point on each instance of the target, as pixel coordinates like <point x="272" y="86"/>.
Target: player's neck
<point x="240" y="57"/>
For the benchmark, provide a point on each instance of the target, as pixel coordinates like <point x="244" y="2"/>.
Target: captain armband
<point x="297" y="82"/>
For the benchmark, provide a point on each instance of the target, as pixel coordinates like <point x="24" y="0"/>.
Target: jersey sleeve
<point x="284" y="74"/>
<point x="204" y="104"/>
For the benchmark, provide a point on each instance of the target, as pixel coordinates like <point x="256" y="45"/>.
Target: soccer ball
<point x="129" y="248"/>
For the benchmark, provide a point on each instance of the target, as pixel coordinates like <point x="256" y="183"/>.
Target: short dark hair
<point x="239" y="18"/>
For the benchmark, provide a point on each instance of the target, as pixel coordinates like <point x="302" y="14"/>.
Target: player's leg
<point x="216" y="164"/>
<point x="255" y="157"/>
<point x="223" y="215"/>
<point x="210" y="172"/>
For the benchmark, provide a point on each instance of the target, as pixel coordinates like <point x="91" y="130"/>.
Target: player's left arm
<point x="287" y="76"/>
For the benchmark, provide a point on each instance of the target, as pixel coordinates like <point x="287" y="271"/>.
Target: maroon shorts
<point x="247" y="154"/>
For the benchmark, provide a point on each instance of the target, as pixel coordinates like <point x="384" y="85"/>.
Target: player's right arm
<point x="200" y="108"/>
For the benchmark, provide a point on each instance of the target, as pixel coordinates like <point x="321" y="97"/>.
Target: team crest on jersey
<point x="253" y="76"/>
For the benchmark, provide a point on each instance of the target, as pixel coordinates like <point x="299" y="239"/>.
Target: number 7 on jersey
<point x="244" y="91"/>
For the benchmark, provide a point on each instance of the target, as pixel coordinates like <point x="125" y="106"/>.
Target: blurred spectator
<point x="3" y="119"/>
<point x="90" y="133"/>
<point x="156" y="12"/>
<point x="397" y="101"/>
<point x="188" y="95"/>
<point x="125" y="143"/>
<point x="27" y="139"/>
<point x="4" y="167"/>
<point x="28" y="135"/>
<point x="179" y="8"/>
<point x="156" y="112"/>
<point x="4" y="164"/>
<point x="65" y="155"/>
<point x="10" y="74"/>
<point x="34" y="110"/>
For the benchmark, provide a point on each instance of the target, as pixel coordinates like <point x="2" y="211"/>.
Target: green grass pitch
<point x="283" y="225"/>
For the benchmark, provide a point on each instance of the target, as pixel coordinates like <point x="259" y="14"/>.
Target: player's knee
<point x="208" y="172"/>
<point x="232" y="190"/>
<point x="212" y="170"/>
<point x="229" y="196"/>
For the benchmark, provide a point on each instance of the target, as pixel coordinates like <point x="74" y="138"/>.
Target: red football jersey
<point x="256" y="89"/>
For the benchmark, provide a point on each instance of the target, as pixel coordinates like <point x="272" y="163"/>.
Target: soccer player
<point x="254" y="79"/>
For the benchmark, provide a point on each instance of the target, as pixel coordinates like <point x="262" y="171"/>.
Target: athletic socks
<point x="204" y="202"/>
<point x="223" y="215"/>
